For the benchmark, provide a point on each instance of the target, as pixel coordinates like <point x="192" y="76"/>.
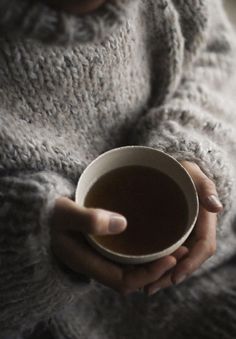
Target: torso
<point x="85" y="94"/>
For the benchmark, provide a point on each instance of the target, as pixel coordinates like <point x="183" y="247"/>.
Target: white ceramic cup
<point x="142" y="156"/>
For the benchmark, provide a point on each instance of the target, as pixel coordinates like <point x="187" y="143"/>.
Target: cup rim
<point x="153" y="255"/>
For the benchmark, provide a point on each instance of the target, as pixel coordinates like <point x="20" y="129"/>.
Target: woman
<point x="79" y="78"/>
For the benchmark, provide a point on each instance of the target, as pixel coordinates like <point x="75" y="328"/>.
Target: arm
<point x="35" y="222"/>
<point x="41" y="229"/>
<point x="197" y="121"/>
<point x="32" y="284"/>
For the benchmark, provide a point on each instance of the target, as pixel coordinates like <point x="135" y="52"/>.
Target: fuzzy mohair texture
<point x="157" y="73"/>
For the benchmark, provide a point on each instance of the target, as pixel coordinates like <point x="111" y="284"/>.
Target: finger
<point x="94" y="221"/>
<point x="206" y="188"/>
<point x="205" y="246"/>
<point x="166" y="281"/>
<point x="181" y="252"/>
<point x="146" y="274"/>
<point x="178" y="254"/>
<point x="75" y="253"/>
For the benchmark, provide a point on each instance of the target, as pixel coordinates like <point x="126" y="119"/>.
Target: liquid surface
<point x="154" y="205"/>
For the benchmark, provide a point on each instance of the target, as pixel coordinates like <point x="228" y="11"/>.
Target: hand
<point x="201" y="244"/>
<point x="76" y="6"/>
<point x="70" y="222"/>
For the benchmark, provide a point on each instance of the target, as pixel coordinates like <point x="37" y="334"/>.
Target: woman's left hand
<point x="201" y="244"/>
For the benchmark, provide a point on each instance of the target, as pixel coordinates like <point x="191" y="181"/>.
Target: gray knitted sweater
<point x="158" y="73"/>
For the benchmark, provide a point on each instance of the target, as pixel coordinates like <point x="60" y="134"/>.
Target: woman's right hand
<point x="70" y="222"/>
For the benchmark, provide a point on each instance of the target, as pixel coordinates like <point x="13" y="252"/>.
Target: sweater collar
<point x="34" y="19"/>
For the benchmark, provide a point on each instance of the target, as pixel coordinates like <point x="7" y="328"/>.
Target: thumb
<point x="96" y="221"/>
<point x="206" y="188"/>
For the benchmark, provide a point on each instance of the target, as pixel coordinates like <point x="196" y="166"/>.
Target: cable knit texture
<point x="158" y="73"/>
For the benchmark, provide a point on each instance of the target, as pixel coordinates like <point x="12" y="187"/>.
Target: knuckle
<point x="172" y="261"/>
<point x="94" y="217"/>
<point x="188" y="267"/>
<point x="193" y="165"/>
<point x="94" y="222"/>
<point x="211" y="250"/>
<point x="206" y="182"/>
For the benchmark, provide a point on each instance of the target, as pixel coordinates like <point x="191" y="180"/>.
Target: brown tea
<point x="152" y="202"/>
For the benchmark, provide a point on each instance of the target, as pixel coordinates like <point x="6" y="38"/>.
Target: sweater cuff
<point x="33" y="284"/>
<point x="27" y="201"/>
<point x="35" y="19"/>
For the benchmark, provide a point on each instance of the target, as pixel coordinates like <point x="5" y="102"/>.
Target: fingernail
<point x="214" y="201"/>
<point x="154" y="291"/>
<point x="117" y="224"/>
<point x="180" y="279"/>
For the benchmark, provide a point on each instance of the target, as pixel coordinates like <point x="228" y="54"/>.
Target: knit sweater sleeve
<point x="197" y="121"/>
<point x="33" y="283"/>
<point x="37" y="20"/>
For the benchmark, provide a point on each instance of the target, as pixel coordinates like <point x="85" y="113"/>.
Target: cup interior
<point x="142" y="156"/>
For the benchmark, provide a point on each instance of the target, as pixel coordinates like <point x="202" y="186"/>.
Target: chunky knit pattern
<point x="135" y="72"/>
